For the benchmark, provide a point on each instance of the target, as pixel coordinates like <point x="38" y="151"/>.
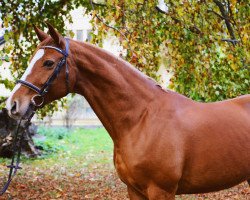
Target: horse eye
<point x="48" y="63"/>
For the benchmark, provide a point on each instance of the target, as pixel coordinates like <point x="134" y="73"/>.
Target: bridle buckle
<point x="37" y="100"/>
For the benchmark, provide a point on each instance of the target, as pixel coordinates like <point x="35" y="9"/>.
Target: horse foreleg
<point x="135" y="195"/>
<point x="156" y="193"/>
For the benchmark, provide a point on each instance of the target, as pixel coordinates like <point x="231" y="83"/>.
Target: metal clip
<point x="37" y="100"/>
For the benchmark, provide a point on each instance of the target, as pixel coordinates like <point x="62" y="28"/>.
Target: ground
<point x="80" y="167"/>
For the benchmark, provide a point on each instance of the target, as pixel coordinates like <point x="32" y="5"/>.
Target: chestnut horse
<point x="164" y="143"/>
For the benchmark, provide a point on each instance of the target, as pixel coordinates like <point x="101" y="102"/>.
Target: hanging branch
<point x="230" y="13"/>
<point x="193" y="28"/>
<point x="226" y="18"/>
<point x="98" y="4"/>
<point x="101" y="20"/>
<point x="230" y="40"/>
<point x="43" y="6"/>
<point x="216" y="14"/>
<point x="114" y="28"/>
<point x="163" y="12"/>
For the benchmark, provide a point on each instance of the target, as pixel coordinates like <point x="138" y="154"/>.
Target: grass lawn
<point x="84" y="147"/>
<point x="78" y="164"/>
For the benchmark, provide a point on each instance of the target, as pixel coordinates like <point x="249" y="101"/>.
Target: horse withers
<point x="164" y="143"/>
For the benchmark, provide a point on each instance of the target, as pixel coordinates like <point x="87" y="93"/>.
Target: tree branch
<point x="193" y="28"/>
<point x="98" y="4"/>
<point x="229" y="8"/>
<point x="114" y="28"/>
<point x="163" y="12"/>
<point x="226" y="18"/>
<point x="216" y="14"/>
<point x="234" y="42"/>
<point x="160" y="10"/>
<point x="101" y="20"/>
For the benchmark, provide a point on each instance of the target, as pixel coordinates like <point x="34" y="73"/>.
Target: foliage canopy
<point x="21" y="41"/>
<point x="205" y="43"/>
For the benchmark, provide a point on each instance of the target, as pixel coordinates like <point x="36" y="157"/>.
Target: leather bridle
<point x="17" y="143"/>
<point x="38" y="99"/>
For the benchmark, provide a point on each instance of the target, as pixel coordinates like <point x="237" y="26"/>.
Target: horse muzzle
<point x="25" y="110"/>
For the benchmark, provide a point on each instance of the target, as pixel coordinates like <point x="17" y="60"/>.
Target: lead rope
<point x="41" y="93"/>
<point x="17" y="150"/>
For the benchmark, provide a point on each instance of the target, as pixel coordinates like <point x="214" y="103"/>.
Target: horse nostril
<point x="14" y="108"/>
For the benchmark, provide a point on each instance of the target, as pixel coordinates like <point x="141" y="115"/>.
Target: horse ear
<point x="57" y="37"/>
<point x="40" y="34"/>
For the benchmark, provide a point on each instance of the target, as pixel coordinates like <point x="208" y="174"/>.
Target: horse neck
<point x="118" y="93"/>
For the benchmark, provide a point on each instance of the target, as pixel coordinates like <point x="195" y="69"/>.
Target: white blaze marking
<point x="39" y="54"/>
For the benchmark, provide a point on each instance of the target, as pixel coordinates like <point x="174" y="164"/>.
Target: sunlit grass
<point x="69" y="148"/>
<point x="68" y="151"/>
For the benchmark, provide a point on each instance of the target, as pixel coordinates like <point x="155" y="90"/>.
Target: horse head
<point x="46" y="77"/>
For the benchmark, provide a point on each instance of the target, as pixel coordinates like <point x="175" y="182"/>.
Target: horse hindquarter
<point x="218" y="150"/>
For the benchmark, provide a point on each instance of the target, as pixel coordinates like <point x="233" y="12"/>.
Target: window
<point x="79" y="35"/>
<point x="89" y="35"/>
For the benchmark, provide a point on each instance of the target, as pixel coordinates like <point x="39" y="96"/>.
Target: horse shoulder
<point x="152" y="152"/>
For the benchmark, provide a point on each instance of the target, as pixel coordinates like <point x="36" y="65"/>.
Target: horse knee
<point x="135" y="195"/>
<point x="156" y="193"/>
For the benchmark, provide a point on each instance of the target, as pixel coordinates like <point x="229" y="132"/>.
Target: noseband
<point x="38" y="99"/>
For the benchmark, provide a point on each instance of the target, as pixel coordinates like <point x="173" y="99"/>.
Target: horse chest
<point x="125" y="172"/>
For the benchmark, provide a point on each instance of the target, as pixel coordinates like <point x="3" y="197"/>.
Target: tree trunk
<point x="7" y="132"/>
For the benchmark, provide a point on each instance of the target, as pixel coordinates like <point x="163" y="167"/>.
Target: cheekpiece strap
<point x="67" y="68"/>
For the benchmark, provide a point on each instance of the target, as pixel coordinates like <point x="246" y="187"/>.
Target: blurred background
<point x="197" y="48"/>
